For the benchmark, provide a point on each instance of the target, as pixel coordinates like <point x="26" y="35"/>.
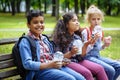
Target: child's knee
<point x="110" y="70"/>
<point x="87" y="74"/>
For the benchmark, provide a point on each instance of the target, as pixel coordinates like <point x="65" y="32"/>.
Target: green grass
<point x="114" y="50"/>
<point x="50" y="21"/>
<point x="19" y="22"/>
<point x="111" y="21"/>
<point x="8" y="21"/>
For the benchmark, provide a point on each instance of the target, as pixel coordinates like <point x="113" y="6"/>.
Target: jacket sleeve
<point x="26" y="56"/>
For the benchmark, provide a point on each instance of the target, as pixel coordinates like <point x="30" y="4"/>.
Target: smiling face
<point x="95" y="19"/>
<point x="36" y="25"/>
<point x="73" y="25"/>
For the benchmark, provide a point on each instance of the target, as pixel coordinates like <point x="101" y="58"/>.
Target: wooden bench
<point x="7" y="66"/>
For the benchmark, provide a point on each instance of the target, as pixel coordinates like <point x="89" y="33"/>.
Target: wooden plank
<point x="5" y="57"/>
<point x="7" y="74"/>
<point x="6" y="64"/>
<point x="13" y="40"/>
<point x="8" y="41"/>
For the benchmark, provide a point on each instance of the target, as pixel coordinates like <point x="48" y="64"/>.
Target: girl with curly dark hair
<point x="71" y="45"/>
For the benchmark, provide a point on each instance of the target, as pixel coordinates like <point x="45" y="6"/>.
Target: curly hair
<point x="61" y="36"/>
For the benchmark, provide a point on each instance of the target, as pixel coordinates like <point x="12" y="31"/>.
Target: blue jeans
<point x="64" y="73"/>
<point x="111" y="67"/>
<point x="77" y="75"/>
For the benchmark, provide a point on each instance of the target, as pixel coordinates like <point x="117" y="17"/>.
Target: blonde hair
<point x="92" y="10"/>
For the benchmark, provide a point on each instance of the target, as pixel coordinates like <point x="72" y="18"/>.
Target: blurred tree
<point x="57" y="9"/>
<point x="118" y="8"/>
<point x="76" y="6"/>
<point x="53" y="7"/>
<point x="82" y="6"/>
<point x="45" y="6"/>
<point x="18" y="2"/>
<point x="13" y="7"/>
<point x="110" y="7"/>
<point x="28" y="4"/>
<point x="4" y="5"/>
<point x="67" y="2"/>
<point x="88" y="3"/>
<point x="39" y="4"/>
<point x="8" y="4"/>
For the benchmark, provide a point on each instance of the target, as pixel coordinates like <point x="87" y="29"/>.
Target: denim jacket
<point x="26" y="55"/>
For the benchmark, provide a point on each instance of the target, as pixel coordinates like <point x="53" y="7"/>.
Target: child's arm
<point x="107" y="42"/>
<point x="85" y="36"/>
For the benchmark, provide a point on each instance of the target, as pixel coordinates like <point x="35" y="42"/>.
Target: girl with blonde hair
<point x="95" y="16"/>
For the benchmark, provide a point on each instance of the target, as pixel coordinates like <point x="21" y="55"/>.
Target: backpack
<point x="17" y="58"/>
<point x="89" y="33"/>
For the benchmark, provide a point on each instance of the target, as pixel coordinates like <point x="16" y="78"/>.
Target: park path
<point x="46" y="29"/>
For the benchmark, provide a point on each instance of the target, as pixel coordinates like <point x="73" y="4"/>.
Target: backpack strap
<point x="89" y="33"/>
<point x="102" y="35"/>
<point x="51" y="45"/>
<point x="32" y="45"/>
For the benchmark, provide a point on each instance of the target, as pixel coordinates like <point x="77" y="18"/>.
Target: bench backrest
<point x="7" y="67"/>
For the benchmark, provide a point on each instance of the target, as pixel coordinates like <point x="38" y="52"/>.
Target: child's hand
<point x="94" y="38"/>
<point x="74" y="50"/>
<point x="107" y="41"/>
<point x="55" y="64"/>
<point x="66" y="61"/>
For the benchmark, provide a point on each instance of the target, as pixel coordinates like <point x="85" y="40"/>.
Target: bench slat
<point x="7" y="64"/>
<point x="5" y="57"/>
<point x="8" y="41"/>
<point x="7" y="74"/>
<point x="12" y="40"/>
